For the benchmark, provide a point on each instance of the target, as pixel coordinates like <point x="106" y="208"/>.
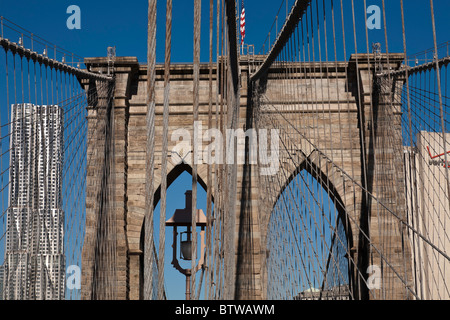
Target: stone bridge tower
<point x="120" y="275"/>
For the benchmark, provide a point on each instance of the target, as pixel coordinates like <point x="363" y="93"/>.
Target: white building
<point x="426" y="175"/>
<point x="34" y="250"/>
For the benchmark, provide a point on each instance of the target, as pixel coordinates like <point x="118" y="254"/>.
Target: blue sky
<point x="117" y="23"/>
<point x="124" y="24"/>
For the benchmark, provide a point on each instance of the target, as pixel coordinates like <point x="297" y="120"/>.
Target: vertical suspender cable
<point x="209" y="173"/>
<point x="162" y="218"/>
<point x="408" y="102"/>
<point x="150" y="157"/>
<point x="197" y="30"/>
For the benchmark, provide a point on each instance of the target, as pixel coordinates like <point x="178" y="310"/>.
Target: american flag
<point x="242" y="23"/>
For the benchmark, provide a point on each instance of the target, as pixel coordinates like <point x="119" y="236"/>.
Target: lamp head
<point x="186" y="250"/>
<point x="183" y="217"/>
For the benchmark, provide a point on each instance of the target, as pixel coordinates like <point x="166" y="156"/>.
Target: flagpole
<point x="242" y="25"/>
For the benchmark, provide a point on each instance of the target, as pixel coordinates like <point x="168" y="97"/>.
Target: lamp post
<point x="183" y="218"/>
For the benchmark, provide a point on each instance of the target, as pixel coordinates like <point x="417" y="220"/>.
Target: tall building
<point x="427" y="170"/>
<point x="34" y="267"/>
<point x="1" y="282"/>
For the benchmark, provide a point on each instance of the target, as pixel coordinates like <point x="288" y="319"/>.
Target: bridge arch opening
<point x="309" y="240"/>
<point x="179" y="180"/>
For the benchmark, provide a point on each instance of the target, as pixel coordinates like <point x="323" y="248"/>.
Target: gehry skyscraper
<point x="34" y="265"/>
